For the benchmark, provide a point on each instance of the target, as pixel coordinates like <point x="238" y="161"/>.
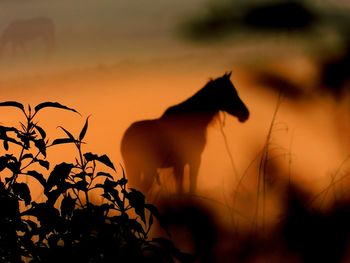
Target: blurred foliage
<point x="323" y="26"/>
<point x="66" y="225"/>
<point x="225" y="18"/>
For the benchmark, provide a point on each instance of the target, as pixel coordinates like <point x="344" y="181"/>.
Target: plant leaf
<point x="109" y="185"/>
<point x="150" y="222"/>
<point x="136" y="226"/>
<point x="27" y="156"/>
<point x="23" y="192"/>
<point x="58" y="176"/>
<point x="13" y="104"/>
<point x="33" y="227"/>
<point x="137" y="201"/>
<point x="52" y="104"/>
<point x="63" y="141"/>
<point x="37" y="176"/>
<point x="41" y="131"/>
<point x="47" y="215"/>
<point x="67" y="132"/>
<point x="122" y="182"/>
<point x="40" y="144"/>
<point x="106" y="161"/>
<point x="90" y="156"/>
<point x="52" y="196"/>
<point x="67" y="205"/>
<point x="3" y="162"/>
<point x="44" y="164"/>
<point x="83" y="131"/>
<point x="81" y="185"/>
<point x="102" y="159"/>
<point x="82" y="175"/>
<point x="154" y="211"/>
<point x="14" y="141"/>
<point x="14" y="166"/>
<point x="6" y="145"/>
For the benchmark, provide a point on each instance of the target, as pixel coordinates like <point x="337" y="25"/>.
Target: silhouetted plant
<point x="67" y="225"/>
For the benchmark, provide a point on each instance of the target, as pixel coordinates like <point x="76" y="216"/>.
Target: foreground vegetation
<point x="66" y="225"/>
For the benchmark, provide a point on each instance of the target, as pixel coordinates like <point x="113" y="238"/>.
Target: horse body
<point x="162" y="143"/>
<point x="178" y="137"/>
<point x="18" y="33"/>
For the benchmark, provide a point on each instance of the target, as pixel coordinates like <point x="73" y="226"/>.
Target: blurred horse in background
<point x="178" y="137"/>
<point x="20" y="32"/>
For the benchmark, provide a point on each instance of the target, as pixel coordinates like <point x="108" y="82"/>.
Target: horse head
<point x="227" y="98"/>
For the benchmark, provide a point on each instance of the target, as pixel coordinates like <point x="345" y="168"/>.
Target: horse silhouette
<point x="19" y="32"/>
<point x="178" y="137"/>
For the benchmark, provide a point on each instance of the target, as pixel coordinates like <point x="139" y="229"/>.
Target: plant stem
<point x="83" y="167"/>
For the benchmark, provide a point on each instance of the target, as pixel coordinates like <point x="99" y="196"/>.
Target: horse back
<point x="163" y="142"/>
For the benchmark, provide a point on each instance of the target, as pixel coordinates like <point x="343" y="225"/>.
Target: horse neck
<point x="197" y="109"/>
<point x="191" y="122"/>
<point x="203" y="118"/>
<point x="188" y="113"/>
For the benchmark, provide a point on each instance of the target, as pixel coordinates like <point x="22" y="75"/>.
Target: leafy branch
<point x="67" y="225"/>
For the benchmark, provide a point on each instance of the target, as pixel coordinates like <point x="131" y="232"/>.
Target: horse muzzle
<point x="243" y="117"/>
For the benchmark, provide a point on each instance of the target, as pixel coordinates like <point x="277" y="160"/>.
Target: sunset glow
<point x="120" y="62"/>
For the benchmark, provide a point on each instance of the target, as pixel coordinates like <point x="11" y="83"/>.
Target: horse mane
<point x="191" y="104"/>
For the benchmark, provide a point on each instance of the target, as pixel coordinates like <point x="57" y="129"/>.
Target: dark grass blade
<point x="83" y="131"/>
<point x="63" y="141"/>
<point x="67" y="132"/>
<point x="52" y="105"/>
<point x="13" y="104"/>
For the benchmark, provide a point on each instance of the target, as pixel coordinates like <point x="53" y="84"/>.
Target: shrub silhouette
<point x="67" y="225"/>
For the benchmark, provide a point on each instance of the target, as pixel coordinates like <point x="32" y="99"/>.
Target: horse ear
<point x="228" y="74"/>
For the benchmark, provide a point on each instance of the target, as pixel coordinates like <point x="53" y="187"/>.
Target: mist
<point x="126" y="61"/>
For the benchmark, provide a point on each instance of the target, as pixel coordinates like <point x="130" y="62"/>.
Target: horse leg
<point x="179" y="176"/>
<point x="194" y="168"/>
<point x="147" y="180"/>
<point x="141" y="180"/>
